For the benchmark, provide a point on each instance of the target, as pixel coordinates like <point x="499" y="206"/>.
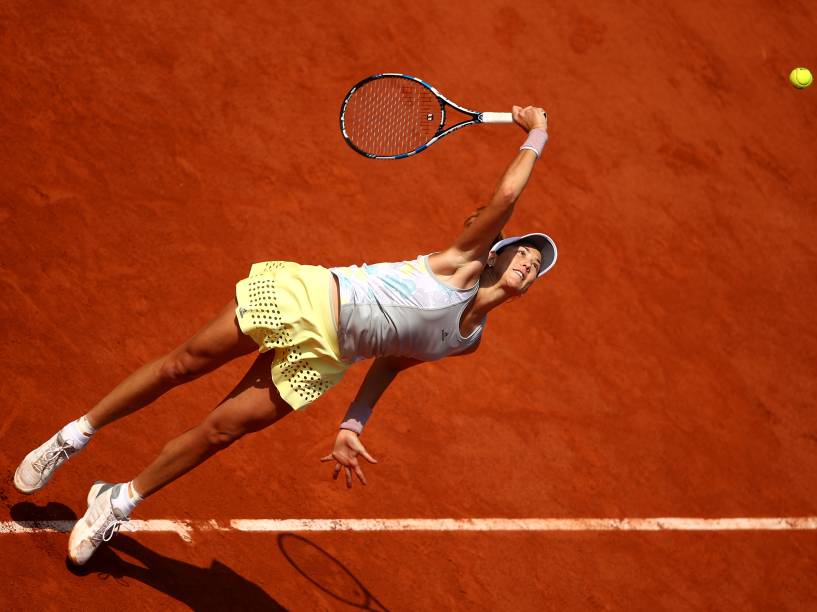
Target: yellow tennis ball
<point x="801" y="78"/>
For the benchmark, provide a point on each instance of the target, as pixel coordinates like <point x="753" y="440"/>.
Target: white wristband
<point x="535" y="141"/>
<point x="356" y="418"/>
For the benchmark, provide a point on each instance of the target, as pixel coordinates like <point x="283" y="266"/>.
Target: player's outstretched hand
<point x="530" y="117"/>
<point x="347" y="448"/>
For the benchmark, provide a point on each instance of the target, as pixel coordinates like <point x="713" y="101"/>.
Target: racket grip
<point x="495" y="118"/>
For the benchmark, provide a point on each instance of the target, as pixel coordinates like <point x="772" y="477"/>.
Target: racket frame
<point x="476" y="116"/>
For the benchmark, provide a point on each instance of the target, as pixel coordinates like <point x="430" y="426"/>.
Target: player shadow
<point x="326" y="572"/>
<point x="22" y="512"/>
<point x="217" y="587"/>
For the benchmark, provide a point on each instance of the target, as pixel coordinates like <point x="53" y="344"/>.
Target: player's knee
<point x="177" y="369"/>
<point x="218" y="436"/>
<point x="221" y="432"/>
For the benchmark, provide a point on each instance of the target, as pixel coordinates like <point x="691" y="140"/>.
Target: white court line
<point x="185" y="529"/>
<point x="529" y="524"/>
<point x="182" y="528"/>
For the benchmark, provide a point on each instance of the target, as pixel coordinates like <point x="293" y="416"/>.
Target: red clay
<point x="665" y="367"/>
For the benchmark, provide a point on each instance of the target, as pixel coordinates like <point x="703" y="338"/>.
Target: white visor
<point x="542" y="242"/>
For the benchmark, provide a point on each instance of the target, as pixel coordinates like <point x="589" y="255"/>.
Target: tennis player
<point x="310" y="324"/>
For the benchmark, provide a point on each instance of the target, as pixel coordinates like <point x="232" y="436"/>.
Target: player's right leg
<point x="218" y="342"/>
<point x="254" y="404"/>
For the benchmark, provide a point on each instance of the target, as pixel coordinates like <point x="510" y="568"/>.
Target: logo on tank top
<point x="445" y="333"/>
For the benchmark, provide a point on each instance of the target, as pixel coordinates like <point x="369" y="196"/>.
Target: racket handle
<point x="496" y="118"/>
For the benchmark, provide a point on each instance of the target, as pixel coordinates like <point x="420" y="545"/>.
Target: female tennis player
<point x="310" y="324"/>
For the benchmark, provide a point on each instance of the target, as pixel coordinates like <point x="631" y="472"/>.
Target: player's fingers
<point x="360" y="475"/>
<point x="327" y="458"/>
<point x="348" y="478"/>
<point x="336" y="471"/>
<point x="367" y="456"/>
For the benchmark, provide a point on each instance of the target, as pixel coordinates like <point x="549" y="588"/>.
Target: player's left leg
<point x="251" y="406"/>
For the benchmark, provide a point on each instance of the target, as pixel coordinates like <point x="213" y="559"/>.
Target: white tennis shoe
<point x="99" y="524"/>
<point x="39" y="465"/>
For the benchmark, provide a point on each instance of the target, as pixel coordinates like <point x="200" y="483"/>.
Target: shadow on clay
<point x="201" y="588"/>
<point x="326" y="572"/>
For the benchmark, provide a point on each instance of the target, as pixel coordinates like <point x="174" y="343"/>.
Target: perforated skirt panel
<point x="285" y="307"/>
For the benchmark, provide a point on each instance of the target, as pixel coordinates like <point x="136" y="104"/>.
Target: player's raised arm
<point x="477" y="237"/>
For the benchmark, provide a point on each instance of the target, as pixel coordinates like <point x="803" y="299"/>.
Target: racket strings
<point x="390" y="116"/>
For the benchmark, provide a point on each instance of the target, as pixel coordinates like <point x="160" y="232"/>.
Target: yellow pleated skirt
<point x="286" y="307"/>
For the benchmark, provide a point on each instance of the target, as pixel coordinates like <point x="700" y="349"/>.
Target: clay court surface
<point x="150" y="152"/>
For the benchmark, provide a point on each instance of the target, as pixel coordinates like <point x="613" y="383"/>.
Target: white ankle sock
<point x="85" y="426"/>
<point x="125" y="501"/>
<point x="73" y="433"/>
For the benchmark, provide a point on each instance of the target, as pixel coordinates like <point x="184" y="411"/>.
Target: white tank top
<point x="401" y="309"/>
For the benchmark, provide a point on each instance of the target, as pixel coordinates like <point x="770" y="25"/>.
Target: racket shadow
<point x="326" y="572"/>
<point x="217" y="587"/>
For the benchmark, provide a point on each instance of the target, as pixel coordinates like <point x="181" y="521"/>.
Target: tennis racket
<point x="393" y="116"/>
